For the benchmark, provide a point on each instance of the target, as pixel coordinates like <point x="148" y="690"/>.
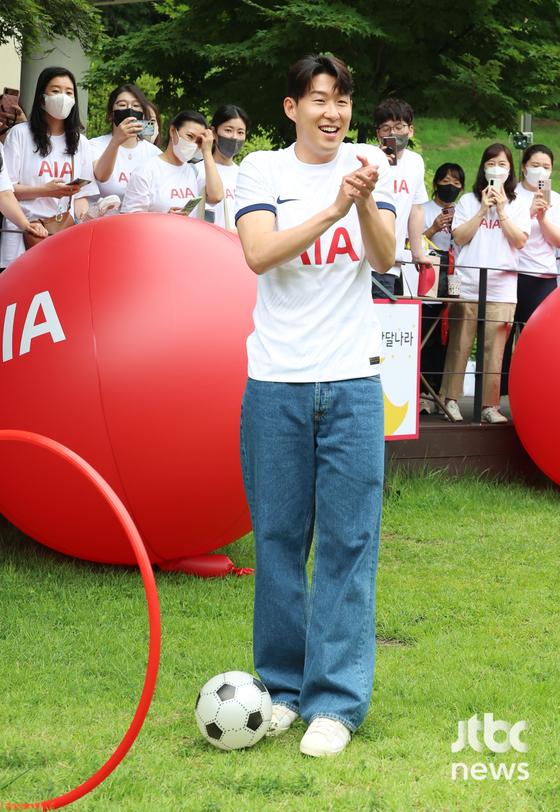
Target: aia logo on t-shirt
<point x="230" y="193"/>
<point x="484" y="223"/>
<point x="55" y="171"/>
<point x="182" y="193"/>
<point x="339" y="244"/>
<point x="400" y="186"/>
<point x="123" y="178"/>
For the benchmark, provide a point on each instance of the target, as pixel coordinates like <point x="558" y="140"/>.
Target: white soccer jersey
<point x="314" y="317"/>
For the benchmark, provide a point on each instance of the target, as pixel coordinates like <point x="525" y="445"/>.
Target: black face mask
<point x="230" y="147"/>
<point x="447" y="193"/>
<point x="128" y="112"/>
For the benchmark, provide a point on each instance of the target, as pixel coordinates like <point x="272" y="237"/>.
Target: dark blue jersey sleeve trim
<point x="255" y="207"/>
<point x="388" y="206"/>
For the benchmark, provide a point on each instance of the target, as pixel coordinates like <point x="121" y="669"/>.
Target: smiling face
<point x="322" y="118"/>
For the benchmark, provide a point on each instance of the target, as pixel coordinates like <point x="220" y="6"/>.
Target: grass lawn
<point x="445" y="139"/>
<point x="467" y="623"/>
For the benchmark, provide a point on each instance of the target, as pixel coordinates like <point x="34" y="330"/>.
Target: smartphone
<point x="389" y="147"/>
<point x="544" y="187"/>
<point x="448" y="210"/>
<point x="494" y="183"/>
<point x="10" y="100"/>
<point x="209" y="216"/>
<point x="191" y="205"/>
<point x="148" y="129"/>
<point x="78" y="182"/>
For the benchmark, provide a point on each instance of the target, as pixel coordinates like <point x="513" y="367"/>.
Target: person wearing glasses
<point x="395" y="118"/>
<point x="118" y="153"/>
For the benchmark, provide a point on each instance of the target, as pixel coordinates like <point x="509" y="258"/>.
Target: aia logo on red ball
<point x="31" y="327"/>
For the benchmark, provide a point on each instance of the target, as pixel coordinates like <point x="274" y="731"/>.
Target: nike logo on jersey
<point x="279" y="200"/>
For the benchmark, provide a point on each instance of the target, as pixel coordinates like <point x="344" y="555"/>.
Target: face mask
<point x="401" y="141"/>
<point x="184" y="150"/>
<point x="533" y="174"/>
<point x="447" y="193"/>
<point x="197" y="157"/>
<point x="128" y="112"/>
<point x="496" y="173"/>
<point x="230" y="147"/>
<point x="152" y="138"/>
<point x="59" y="105"/>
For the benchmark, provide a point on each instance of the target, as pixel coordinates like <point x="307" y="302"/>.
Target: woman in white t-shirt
<point x="447" y="185"/>
<point x="119" y="153"/>
<point x="44" y="154"/>
<point x="490" y="226"/>
<point x="230" y="125"/>
<point x="169" y="181"/>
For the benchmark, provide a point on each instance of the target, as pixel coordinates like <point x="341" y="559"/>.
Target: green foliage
<point x="31" y="21"/>
<point x="480" y="61"/>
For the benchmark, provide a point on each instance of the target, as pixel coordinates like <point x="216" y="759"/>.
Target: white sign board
<point x="400" y="366"/>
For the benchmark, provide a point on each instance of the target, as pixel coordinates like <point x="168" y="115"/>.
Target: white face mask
<point x="184" y="150"/>
<point x="59" y="105"/>
<point x="197" y="157"/>
<point x="533" y="174"/>
<point x="496" y="173"/>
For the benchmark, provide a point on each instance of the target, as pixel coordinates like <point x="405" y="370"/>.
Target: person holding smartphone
<point x="169" y="181"/>
<point x="490" y="227"/>
<point x="44" y="154"/>
<point x="119" y="153"/>
<point x="310" y="218"/>
<point x="394" y="119"/>
<point x="10" y="111"/>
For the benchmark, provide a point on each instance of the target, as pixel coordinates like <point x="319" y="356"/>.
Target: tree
<point x="32" y="21"/>
<point x="479" y="60"/>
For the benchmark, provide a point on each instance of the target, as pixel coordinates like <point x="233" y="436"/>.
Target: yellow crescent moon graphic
<point x="394" y="415"/>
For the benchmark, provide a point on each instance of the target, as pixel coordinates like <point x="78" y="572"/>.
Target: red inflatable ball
<point x="124" y="339"/>
<point x="534" y="380"/>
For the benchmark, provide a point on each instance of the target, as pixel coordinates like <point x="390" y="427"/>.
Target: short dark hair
<point x="302" y="72"/>
<point x="455" y="170"/>
<point x="37" y="123"/>
<point x="127" y="88"/>
<point x="393" y="110"/>
<point x="534" y="148"/>
<point x="228" y="111"/>
<point x="481" y="183"/>
<point x="188" y="115"/>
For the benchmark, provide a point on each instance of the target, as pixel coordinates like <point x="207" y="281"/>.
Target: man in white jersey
<point x="395" y="118"/>
<point x="310" y="219"/>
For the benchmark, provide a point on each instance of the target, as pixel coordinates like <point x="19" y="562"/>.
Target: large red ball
<point x="534" y="386"/>
<point x="124" y="339"/>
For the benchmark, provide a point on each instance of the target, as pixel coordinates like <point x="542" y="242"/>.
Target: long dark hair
<point x="481" y="183"/>
<point x="38" y="123"/>
<point x="228" y="111"/>
<point x="533" y="149"/>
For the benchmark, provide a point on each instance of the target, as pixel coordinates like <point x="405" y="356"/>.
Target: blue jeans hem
<point x="336" y="717"/>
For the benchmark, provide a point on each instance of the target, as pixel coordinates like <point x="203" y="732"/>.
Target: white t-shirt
<point x="160" y="186"/>
<point x="489" y="249"/>
<point x="28" y="168"/>
<point x="314" y="317"/>
<point x="408" y="190"/>
<point x="441" y="239"/>
<point x="5" y="182"/>
<point x="127" y="161"/>
<point x="538" y="256"/>
<point x="228" y="174"/>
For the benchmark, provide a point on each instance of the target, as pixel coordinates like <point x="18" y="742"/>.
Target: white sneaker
<point x="425" y="406"/>
<point x="282" y="718"/>
<point x="454" y="411"/>
<point x="492" y="414"/>
<point x="324" y="737"/>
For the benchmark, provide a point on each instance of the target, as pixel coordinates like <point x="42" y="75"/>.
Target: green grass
<point x="468" y="622"/>
<point x="443" y="139"/>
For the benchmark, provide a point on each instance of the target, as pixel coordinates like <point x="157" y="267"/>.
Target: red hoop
<point x="145" y="566"/>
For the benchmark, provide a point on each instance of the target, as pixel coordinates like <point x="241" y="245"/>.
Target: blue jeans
<point x="312" y="457"/>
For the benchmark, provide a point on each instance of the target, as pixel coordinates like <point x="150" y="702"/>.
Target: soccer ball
<point x="233" y="710"/>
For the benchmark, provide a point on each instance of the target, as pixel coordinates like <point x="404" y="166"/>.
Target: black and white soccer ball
<point x="233" y="710"/>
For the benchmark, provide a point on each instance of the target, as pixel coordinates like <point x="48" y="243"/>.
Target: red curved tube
<point x="13" y="435"/>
